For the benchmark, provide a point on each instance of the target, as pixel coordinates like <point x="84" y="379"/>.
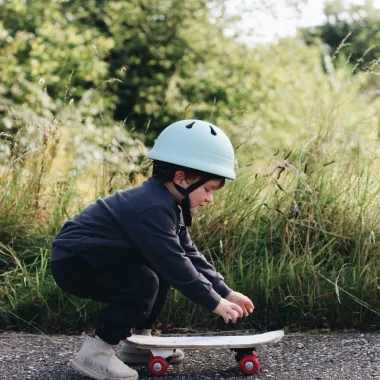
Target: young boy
<point x="129" y="248"/>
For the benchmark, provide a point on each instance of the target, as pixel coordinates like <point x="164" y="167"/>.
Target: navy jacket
<point x="144" y="220"/>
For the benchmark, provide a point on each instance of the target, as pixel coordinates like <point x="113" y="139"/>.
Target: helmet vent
<point x="190" y="125"/>
<point x="212" y="131"/>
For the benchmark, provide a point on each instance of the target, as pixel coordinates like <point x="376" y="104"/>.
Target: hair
<point x="165" y="172"/>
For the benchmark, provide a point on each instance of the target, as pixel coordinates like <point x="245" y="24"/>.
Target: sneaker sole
<point x="96" y="375"/>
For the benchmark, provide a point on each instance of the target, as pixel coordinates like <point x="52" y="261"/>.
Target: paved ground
<point x="345" y="356"/>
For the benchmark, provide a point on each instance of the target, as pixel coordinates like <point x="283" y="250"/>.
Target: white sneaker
<point x="134" y="355"/>
<point x="97" y="360"/>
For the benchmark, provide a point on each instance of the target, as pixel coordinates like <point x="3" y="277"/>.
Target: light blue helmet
<point x="196" y="144"/>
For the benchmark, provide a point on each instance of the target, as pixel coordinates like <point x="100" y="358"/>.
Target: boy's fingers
<point x="246" y="313"/>
<point x="238" y="309"/>
<point x="234" y="316"/>
<point x="243" y="307"/>
<point x="231" y="315"/>
<point x="250" y="305"/>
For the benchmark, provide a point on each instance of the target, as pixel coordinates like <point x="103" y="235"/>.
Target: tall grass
<point x="34" y="202"/>
<point x="296" y="232"/>
<point x="304" y="245"/>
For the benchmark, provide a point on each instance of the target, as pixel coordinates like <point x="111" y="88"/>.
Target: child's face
<point x="203" y="195"/>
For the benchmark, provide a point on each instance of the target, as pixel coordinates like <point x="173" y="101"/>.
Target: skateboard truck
<point x="241" y="352"/>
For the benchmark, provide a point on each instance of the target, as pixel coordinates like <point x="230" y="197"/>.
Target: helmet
<point x="198" y="145"/>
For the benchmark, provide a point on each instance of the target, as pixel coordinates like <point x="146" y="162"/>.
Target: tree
<point x="352" y="30"/>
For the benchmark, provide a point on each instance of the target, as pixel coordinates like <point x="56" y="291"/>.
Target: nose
<point x="210" y="197"/>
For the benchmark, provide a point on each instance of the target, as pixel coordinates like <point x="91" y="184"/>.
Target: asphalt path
<point x="343" y="356"/>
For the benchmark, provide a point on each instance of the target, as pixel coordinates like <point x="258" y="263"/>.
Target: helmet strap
<point x="186" y="213"/>
<point x="185" y="205"/>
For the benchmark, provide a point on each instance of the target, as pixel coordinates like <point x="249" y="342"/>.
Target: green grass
<point x="297" y="232"/>
<point x="297" y="235"/>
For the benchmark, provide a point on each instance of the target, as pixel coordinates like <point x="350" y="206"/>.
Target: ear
<point x="179" y="177"/>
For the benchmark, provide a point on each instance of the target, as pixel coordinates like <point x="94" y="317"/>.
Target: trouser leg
<point x="128" y="286"/>
<point x="128" y="306"/>
<point x="75" y="276"/>
<point x="162" y="296"/>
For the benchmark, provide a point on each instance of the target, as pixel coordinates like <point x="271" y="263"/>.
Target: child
<point x="129" y="248"/>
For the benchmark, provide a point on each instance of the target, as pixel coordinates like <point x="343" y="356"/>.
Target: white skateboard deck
<point x="204" y="342"/>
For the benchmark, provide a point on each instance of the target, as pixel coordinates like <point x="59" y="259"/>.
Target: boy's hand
<point x="243" y="301"/>
<point x="228" y="310"/>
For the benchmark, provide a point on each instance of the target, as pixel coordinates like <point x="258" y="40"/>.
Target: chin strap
<point x="185" y="205"/>
<point x="186" y="213"/>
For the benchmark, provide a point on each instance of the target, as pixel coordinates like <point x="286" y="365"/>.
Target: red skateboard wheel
<point x="157" y="366"/>
<point x="249" y="365"/>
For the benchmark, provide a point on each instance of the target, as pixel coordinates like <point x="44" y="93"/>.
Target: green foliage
<point x="55" y="72"/>
<point x="147" y="64"/>
<point x="85" y="84"/>
<point x="113" y="59"/>
<point x="353" y="31"/>
<point x="49" y="61"/>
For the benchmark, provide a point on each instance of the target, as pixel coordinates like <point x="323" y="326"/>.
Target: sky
<point x="269" y="28"/>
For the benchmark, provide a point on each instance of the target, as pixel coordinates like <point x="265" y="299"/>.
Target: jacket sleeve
<point x="202" y="265"/>
<point x="154" y="233"/>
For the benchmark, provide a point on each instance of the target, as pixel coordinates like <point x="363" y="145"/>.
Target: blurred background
<point x="85" y="89"/>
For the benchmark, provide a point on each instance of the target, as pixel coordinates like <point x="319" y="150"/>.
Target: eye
<point x="207" y="190"/>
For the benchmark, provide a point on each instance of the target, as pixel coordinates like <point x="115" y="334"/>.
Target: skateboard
<point x="162" y="347"/>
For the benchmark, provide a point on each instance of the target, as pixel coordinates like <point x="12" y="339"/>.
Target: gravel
<point x="349" y="355"/>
